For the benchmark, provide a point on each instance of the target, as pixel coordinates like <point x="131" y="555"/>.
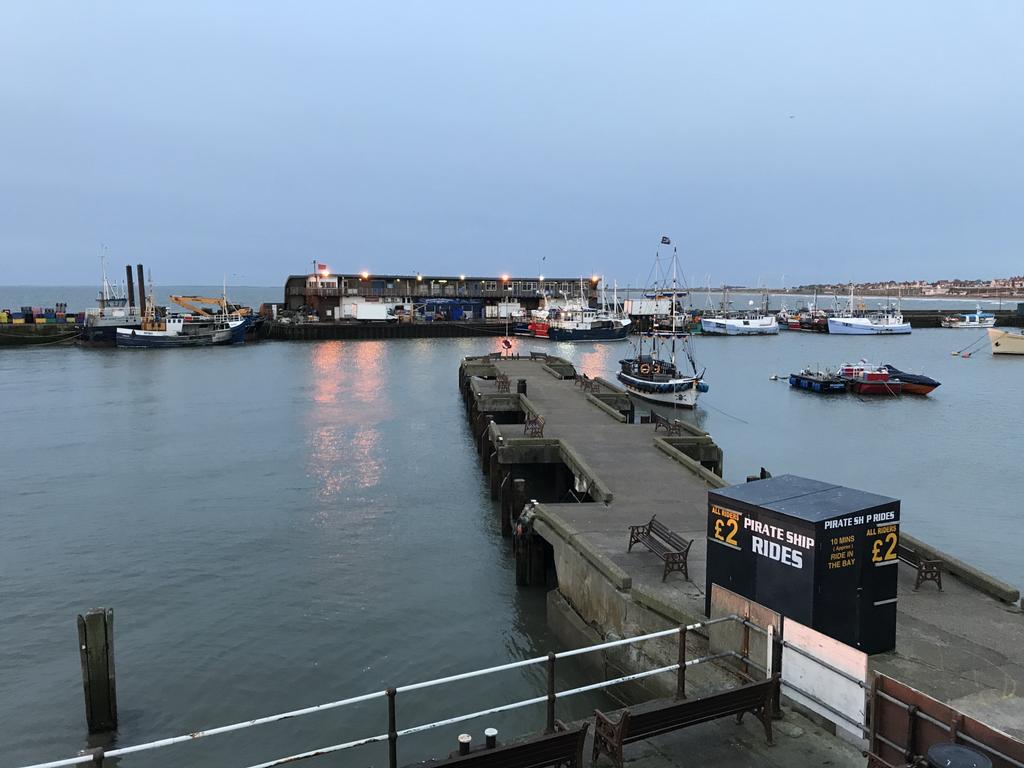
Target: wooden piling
<point x="494" y="473"/>
<point x="96" y="649"/>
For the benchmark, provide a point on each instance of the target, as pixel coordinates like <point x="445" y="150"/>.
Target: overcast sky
<point x="817" y="140"/>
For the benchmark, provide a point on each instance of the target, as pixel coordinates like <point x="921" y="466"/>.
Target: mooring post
<point x="485" y="443"/>
<point x="96" y="651"/>
<point x="518" y="496"/>
<point x="550" y="728"/>
<point x="494" y="474"/>
<point x="392" y="730"/>
<point x="681" y="676"/>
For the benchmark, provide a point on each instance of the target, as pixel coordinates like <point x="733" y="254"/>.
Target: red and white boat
<point x="866" y="379"/>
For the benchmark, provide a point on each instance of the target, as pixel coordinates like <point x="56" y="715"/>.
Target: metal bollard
<point x="521" y="386"/>
<point x="464" y="741"/>
<point x="491" y="737"/>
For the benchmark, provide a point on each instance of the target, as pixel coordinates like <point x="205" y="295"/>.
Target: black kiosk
<point x="818" y="553"/>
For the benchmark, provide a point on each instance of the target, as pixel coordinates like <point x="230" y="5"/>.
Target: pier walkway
<point x="964" y="645"/>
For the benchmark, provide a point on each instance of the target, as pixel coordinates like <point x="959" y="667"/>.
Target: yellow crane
<point x="191" y="303"/>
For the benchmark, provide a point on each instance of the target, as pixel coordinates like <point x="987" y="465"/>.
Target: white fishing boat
<point x="856" y="321"/>
<point x="976" y="319"/>
<point x="1005" y="342"/>
<point x="655" y="376"/>
<point x="752" y="322"/>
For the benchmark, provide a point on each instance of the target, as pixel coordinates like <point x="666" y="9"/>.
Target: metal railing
<point x="97" y="756"/>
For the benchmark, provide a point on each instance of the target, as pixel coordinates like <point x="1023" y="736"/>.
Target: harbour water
<point x="284" y="524"/>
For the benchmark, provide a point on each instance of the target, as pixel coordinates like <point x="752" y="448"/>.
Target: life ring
<point x="645" y="368"/>
<point x="657" y="368"/>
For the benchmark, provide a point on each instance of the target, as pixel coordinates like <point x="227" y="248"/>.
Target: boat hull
<point x="619" y="333"/>
<point x="818" y="385"/>
<point x="738" y="327"/>
<point x="875" y="387"/>
<point x="855" y="326"/>
<point x="1006" y="343"/>
<point x="682" y="393"/>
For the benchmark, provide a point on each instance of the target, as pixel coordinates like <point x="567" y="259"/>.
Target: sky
<point x="796" y="141"/>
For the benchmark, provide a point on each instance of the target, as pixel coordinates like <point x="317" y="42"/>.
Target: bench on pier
<point x="927" y="570"/>
<point x="673" y="427"/>
<point x="670" y="547"/>
<point x="755" y="697"/>
<point x="495" y="355"/>
<point x="563" y="748"/>
<point x="588" y="384"/>
<point x="534" y="426"/>
<point x="504" y="385"/>
<point x="538" y="355"/>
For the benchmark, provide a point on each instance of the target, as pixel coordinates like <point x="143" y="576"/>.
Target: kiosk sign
<point x="812" y="551"/>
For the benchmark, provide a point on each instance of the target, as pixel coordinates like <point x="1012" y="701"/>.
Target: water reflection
<point x="344" y="439"/>
<point x="600" y="360"/>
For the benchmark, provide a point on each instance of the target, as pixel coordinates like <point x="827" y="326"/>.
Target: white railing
<point x="97" y="756"/>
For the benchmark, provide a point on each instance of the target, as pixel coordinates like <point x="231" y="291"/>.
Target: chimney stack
<point x="142" y="291"/>
<point x="131" y="286"/>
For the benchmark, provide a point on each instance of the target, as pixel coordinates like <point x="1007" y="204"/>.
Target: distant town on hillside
<point x="999" y="287"/>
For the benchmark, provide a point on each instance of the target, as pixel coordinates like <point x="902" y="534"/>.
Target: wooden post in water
<point x="96" y="648"/>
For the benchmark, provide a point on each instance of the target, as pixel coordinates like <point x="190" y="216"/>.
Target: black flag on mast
<point x="665" y="240"/>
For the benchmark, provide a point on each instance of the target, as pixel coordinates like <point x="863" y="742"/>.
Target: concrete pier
<point x="592" y="475"/>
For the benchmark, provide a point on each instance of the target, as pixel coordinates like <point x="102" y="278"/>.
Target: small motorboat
<point x="822" y="382"/>
<point x="913" y="383"/>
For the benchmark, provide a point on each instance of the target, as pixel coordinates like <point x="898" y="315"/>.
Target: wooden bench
<point x="561" y="749"/>
<point x="927" y="570"/>
<point x="673" y="427"/>
<point x="670" y="547"/>
<point x="756" y="698"/>
<point x="504" y="385"/>
<point x="538" y="355"/>
<point x="533" y="426"/>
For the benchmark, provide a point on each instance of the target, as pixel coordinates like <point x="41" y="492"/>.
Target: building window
<point x="490" y="285"/>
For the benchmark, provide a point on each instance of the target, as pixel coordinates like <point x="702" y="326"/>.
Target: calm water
<point x="280" y="525"/>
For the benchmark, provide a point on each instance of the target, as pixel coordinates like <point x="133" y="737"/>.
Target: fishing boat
<point x="574" y="321"/>
<point x="171" y="331"/>
<point x="823" y="382"/>
<point x="857" y="321"/>
<point x="654" y="376"/>
<point x="752" y="322"/>
<point x="912" y="383"/>
<point x="976" y="319"/>
<point x="1005" y="342"/>
<point x="867" y="379"/>
<point x="199" y="328"/>
<point x="115" y="309"/>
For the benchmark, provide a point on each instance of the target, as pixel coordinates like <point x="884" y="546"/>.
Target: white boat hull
<point x="735" y="326"/>
<point x="973" y="325"/>
<point x="862" y="326"/>
<point x="1006" y="343"/>
<point x="685" y="399"/>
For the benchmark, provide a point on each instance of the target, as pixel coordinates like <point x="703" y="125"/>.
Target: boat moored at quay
<point x="976" y="319"/>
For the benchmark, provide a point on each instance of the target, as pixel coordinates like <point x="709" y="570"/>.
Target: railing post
<point x="681" y="676"/>
<point x="392" y="730"/>
<point x="550" y="728"/>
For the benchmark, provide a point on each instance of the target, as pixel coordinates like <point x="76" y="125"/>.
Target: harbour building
<point x="336" y="296"/>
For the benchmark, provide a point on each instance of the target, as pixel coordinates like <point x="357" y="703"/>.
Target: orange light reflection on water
<point x="347" y="406"/>
<point x="600" y="361"/>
